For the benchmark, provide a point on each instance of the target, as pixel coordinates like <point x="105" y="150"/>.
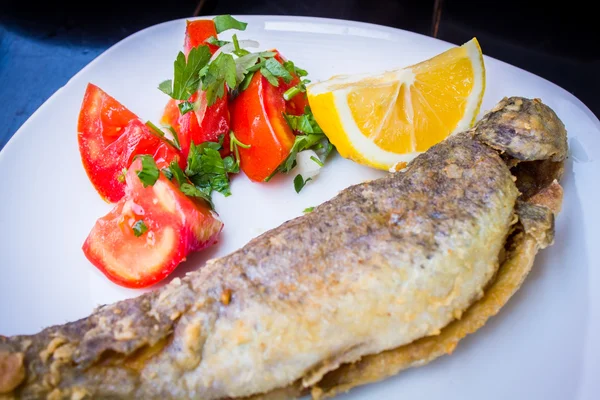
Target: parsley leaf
<point x="177" y="173"/>
<point x="139" y="228"/>
<point x="308" y="209"/>
<point x="272" y="70"/>
<point x="299" y="182"/>
<point x="207" y="170"/>
<point x="159" y="132"/>
<point x="167" y="173"/>
<point x="304" y="123"/>
<point x="186" y="73"/>
<point x="185" y="107"/>
<point x="220" y="71"/>
<point x="193" y="191"/>
<point x="234" y="145"/>
<point x="216" y="42"/>
<point x="237" y="50"/>
<point x="289" y="65"/>
<point x="149" y="172"/>
<point x="226" y="22"/>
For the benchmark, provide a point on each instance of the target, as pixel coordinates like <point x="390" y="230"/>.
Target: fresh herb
<point x="216" y="42"/>
<point x="247" y="65"/>
<point x="220" y="71"/>
<point x="207" y="170"/>
<point x="289" y="65"/>
<point x="317" y="161"/>
<point x="234" y="145"/>
<point x="193" y="191"/>
<point x="149" y="172"/>
<point x="185" y="107"/>
<point x="186" y="73"/>
<point x="304" y="123"/>
<point x="299" y="182"/>
<point x="121" y="177"/>
<point x="272" y="70"/>
<point x="167" y="173"/>
<point x="139" y="228"/>
<point x="177" y="173"/>
<point x="308" y="209"/>
<point x="159" y="132"/>
<point x="237" y="50"/>
<point x="310" y="136"/>
<point x="226" y="22"/>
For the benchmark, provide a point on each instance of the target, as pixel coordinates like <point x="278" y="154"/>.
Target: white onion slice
<point x="305" y="166"/>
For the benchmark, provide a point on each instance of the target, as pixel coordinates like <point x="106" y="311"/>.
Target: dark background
<point x="43" y="44"/>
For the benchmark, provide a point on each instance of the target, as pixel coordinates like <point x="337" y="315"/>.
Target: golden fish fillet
<point x="389" y="274"/>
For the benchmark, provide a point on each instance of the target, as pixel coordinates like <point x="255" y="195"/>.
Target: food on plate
<point x="390" y="273"/>
<point x="152" y="229"/>
<point x="385" y="119"/>
<point x="259" y="119"/>
<point x="109" y="137"/>
<point x="191" y="117"/>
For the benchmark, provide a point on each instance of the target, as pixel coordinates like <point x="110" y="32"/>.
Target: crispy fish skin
<point x="383" y="264"/>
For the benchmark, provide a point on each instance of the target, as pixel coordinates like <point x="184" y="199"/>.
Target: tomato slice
<point x="257" y="120"/>
<point x="109" y="136"/>
<point x="204" y="123"/>
<point x="176" y="226"/>
<point x="196" y="32"/>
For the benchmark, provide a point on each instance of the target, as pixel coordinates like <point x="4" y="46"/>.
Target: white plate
<point x="545" y="344"/>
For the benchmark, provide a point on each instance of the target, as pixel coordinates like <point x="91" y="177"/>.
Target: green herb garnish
<point x="207" y="170"/>
<point x="226" y="22"/>
<point x="272" y="70"/>
<point x="139" y="228"/>
<point x="308" y="209"/>
<point x="234" y="145"/>
<point x="186" y="73"/>
<point x="159" y="132"/>
<point x="299" y="182"/>
<point x="220" y="71"/>
<point x="185" y="107"/>
<point x="149" y="172"/>
<point x="216" y="42"/>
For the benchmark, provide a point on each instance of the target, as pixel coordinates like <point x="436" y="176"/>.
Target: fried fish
<point x="387" y="275"/>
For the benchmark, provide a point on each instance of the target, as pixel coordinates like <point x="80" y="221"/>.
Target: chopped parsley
<point x="149" y="172"/>
<point x="207" y="170"/>
<point x="185" y="107"/>
<point x="216" y="42"/>
<point x="234" y="145"/>
<point x="159" y="132"/>
<point x="186" y="73"/>
<point x="220" y="71"/>
<point x="299" y="182"/>
<point x="308" y="209"/>
<point x="139" y="228"/>
<point x="226" y="22"/>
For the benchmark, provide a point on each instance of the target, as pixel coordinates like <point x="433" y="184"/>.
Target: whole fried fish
<point x="389" y="274"/>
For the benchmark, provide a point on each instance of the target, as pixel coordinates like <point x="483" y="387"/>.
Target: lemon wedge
<point x="384" y="120"/>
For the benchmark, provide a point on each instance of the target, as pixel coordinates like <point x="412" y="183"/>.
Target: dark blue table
<point x="43" y="45"/>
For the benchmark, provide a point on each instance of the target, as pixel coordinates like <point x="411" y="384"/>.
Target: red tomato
<point x="196" y="32"/>
<point x="109" y="136"/>
<point x="257" y="120"/>
<point x="204" y="123"/>
<point x="176" y="226"/>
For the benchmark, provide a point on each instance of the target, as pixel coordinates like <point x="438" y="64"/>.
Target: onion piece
<point x="306" y="166"/>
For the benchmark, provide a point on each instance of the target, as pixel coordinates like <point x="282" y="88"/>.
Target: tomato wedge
<point x="109" y="137"/>
<point x="175" y="225"/>
<point x="257" y="120"/>
<point x="204" y="123"/>
<point x="196" y="32"/>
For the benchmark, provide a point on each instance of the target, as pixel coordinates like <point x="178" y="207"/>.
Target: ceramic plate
<point x="545" y="344"/>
